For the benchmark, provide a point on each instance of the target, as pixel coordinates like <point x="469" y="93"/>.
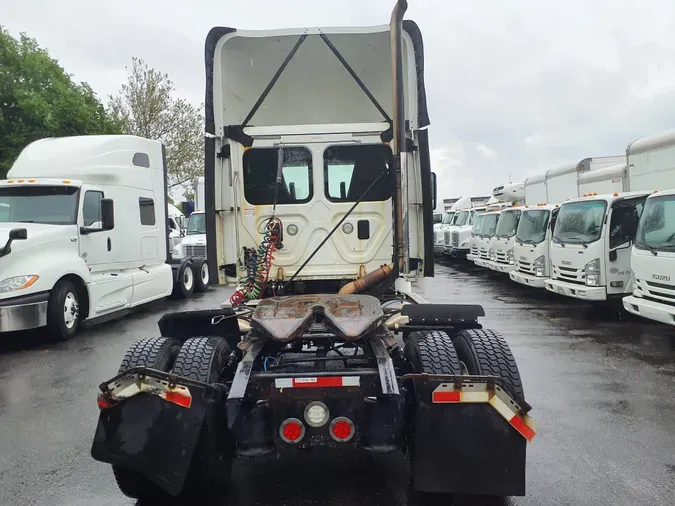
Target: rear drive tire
<point x="157" y="353"/>
<point x="485" y="352"/>
<point x="426" y="352"/>
<point x="63" y="311"/>
<point x="202" y="276"/>
<point x="203" y="359"/>
<point x="431" y="352"/>
<point x="185" y="281"/>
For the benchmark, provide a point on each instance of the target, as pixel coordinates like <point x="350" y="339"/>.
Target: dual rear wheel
<point x="201" y="359"/>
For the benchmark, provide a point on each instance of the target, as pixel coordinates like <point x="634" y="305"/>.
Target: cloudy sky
<point x="514" y="88"/>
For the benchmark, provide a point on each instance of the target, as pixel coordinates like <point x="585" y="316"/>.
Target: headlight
<point x="539" y="266"/>
<point x="17" y="283"/>
<point x="491" y="254"/>
<point x="593" y="272"/>
<point x="465" y="244"/>
<point x="509" y="256"/>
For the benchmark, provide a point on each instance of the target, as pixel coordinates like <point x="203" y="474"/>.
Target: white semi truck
<point x="440" y="229"/>
<point x="329" y="222"/>
<point x="85" y="234"/>
<point x="653" y="253"/>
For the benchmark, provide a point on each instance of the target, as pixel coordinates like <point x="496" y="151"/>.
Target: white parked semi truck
<point x="318" y="187"/>
<point x="440" y="229"/>
<point x="653" y="253"/>
<point x="85" y="234"/>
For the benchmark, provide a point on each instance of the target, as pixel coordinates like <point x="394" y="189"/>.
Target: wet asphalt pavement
<point x="601" y="390"/>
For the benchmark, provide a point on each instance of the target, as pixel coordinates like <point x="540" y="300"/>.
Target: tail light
<point x="342" y="429"/>
<point x="292" y="430"/>
<point x="103" y="402"/>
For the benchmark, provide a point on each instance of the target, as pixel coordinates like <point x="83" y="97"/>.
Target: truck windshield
<point x="532" y="226"/>
<point x="438" y="217"/>
<point x="477" y="224"/>
<point x="196" y="224"/>
<point x="447" y="219"/>
<point x="657" y="224"/>
<point x="472" y="217"/>
<point x="54" y="205"/>
<point x="580" y="222"/>
<point x="507" y="224"/>
<point x="489" y="225"/>
<point x="461" y="218"/>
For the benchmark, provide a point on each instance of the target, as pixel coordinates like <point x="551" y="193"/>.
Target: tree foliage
<point x="147" y="106"/>
<point x="39" y="99"/>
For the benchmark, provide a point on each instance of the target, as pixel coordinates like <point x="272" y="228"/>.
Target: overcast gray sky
<point x="513" y="87"/>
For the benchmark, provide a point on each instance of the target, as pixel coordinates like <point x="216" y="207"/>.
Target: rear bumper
<point x="527" y="279"/>
<point x="24" y="313"/>
<point x="662" y="313"/>
<point x="592" y="293"/>
<point x="460" y="425"/>
<point x="500" y="267"/>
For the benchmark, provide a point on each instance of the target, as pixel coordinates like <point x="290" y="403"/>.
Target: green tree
<point x="147" y="106"/>
<point x="39" y="99"/>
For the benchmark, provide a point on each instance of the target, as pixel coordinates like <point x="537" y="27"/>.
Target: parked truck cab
<point x="439" y="232"/>
<point x="532" y="243"/>
<point x="85" y="233"/>
<point x="485" y="235"/>
<point x="591" y="245"/>
<point x="474" y="240"/>
<point x="460" y="237"/>
<point x="653" y="261"/>
<point x="501" y="245"/>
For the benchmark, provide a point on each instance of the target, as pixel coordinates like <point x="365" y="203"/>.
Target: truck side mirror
<point x="107" y="214"/>
<point x="16" y="234"/>
<point x="433" y="190"/>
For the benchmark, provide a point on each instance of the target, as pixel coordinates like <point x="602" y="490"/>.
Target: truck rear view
<point x="323" y="207"/>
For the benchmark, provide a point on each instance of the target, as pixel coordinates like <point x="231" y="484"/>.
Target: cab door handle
<point x="109" y="244"/>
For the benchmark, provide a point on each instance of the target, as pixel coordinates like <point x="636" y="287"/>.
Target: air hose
<point x="252" y="286"/>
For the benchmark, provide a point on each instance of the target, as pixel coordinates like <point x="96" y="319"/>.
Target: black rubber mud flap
<point x="465" y="448"/>
<point x="155" y="437"/>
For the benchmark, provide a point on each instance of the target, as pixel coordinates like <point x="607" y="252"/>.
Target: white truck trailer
<point x="86" y="233"/>
<point x="653" y="253"/>
<point x="339" y="247"/>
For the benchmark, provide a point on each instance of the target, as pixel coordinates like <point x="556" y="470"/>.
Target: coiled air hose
<point x="252" y="286"/>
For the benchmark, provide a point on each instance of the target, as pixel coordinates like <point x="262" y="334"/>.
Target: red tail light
<point x="342" y="429"/>
<point x="292" y="430"/>
<point x="103" y="402"/>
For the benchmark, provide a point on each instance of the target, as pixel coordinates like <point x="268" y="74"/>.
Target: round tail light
<point x="342" y="429"/>
<point x="292" y="430"/>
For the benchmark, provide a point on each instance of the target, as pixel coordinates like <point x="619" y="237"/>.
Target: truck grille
<point x="474" y="250"/>
<point x="657" y="292"/>
<point x="455" y="239"/>
<point x="484" y="254"/>
<point x="435" y="234"/>
<point x="501" y="257"/>
<point x="525" y="267"/>
<point x="446" y="237"/>
<point x="569" y="274"/>
<point x="195" y="251"/>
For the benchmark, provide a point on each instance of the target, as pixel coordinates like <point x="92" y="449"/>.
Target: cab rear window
<point x="350" y="170"/>
<point x="260" y="175"/>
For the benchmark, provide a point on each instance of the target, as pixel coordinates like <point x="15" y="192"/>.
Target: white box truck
<point x="653" y="253"/>
<point x="544" y="193"/>
<point x="85" y="233"/>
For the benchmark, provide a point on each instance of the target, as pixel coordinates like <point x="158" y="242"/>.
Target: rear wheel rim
<point x="71" y="310"/>
<point x="188" y="278"/>
<point x="205" y="274"/>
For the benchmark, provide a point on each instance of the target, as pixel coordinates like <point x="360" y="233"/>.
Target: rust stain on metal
<point x="285" y="318"/>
